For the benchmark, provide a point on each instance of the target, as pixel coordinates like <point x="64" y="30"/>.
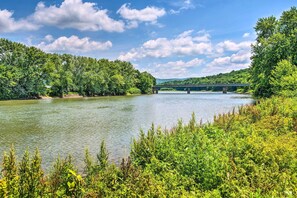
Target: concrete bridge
<point x="188" y="88"/>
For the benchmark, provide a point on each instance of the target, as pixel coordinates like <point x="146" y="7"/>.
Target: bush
<point x="133" y="91"/>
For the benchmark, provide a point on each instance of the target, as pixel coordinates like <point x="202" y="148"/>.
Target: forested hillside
<point x="240" y="76"/>
<point x="27" y="72"/>
<point x="160" y="81"/>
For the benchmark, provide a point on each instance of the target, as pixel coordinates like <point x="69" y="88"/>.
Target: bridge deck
<point x="202" y="85"/>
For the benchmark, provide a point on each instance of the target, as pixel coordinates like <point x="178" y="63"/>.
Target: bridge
<point x="189" y="87"/>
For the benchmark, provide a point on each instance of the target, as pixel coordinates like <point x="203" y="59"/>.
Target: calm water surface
<point x="67" y="126"/>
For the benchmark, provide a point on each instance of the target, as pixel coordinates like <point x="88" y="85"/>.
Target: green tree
<point x="276" y="41"/>
<point x="284" y="79"/>
<point x="27" y="72"/>
<point x="146" y="82"/>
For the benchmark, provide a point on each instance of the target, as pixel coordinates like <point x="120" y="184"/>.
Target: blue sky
<point x="170" y="39"/>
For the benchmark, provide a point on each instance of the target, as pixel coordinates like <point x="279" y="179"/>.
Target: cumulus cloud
<point x="134" y="16"/>
<point x="242" y="56"/>
<point x="183" y="44"/>
<point x="176" y="69"/>
<point x="166" y="72"/>
<point x="236" y="61"/>
<point x="84" y="16"/>
<point x="73" y="44"/>
<point x="9" y="24"/>
<point x="214" y="58"/>
<point x="182" y="64"/>
<point x="232" y="46"/>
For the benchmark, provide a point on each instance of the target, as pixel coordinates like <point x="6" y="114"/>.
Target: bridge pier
<point x="225" y="90"/>
<point x="188" y="91"/>
<point x="155" y="90"/>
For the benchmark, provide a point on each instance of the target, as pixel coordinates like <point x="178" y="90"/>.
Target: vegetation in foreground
<point x="251" y="153"/>
<point x="27" y="72"/>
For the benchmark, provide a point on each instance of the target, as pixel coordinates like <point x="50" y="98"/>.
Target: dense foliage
<point x="252" y="153"/>
<point x="27" y="72"/>
<point x="275" y="52"/>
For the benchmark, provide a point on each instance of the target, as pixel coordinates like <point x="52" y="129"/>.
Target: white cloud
<point x="147" y="14"/>
<point x="182" y="64"/>
<point x="222" y="57"/>
<point x="134" y="16"/>
<point x="166" y="72"/>
<point x="175" y="69"/>
<point x="236" y="61"/>
<point x="49" y="38"/>
<point x="232" y="46"/>
<point x="174" y="11"/>
<point x="132" y="24"/>
<point x="78" y="15"/>
<point x="246" y="35"/>
<point x="221" y="61"/>
<point x="9" y="24"/>
<point x="183" y="5"/>
<point x="243" y="56"/>
<point x="73" y="44"/>
<point x="83" y="16"/>
<point x="183" y="44"/>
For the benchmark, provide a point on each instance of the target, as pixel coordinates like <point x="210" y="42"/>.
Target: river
<point x="58" y="127"/>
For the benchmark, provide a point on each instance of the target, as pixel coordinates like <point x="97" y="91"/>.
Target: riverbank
<point x="67" y="96"/>
<point x="249" y="153"/>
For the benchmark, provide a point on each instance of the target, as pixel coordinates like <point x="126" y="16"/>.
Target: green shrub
<point x="134" y="91"/>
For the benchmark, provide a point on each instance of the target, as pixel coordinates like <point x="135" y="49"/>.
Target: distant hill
<point x="239" y="76"/>
<point x="160" y="81"/>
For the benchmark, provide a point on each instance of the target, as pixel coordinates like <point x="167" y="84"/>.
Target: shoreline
<point x="74" y="96"/>
<point x="67" y="97"/>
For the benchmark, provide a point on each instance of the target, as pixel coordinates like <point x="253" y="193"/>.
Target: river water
<point x="58" y="127"/>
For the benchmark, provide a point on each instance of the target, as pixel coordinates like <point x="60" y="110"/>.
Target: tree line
<point x="274" y="59"/>
<point x="27" y="72"/>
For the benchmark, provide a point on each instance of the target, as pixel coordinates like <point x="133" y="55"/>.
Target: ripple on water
<point x="59" y="127"/>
